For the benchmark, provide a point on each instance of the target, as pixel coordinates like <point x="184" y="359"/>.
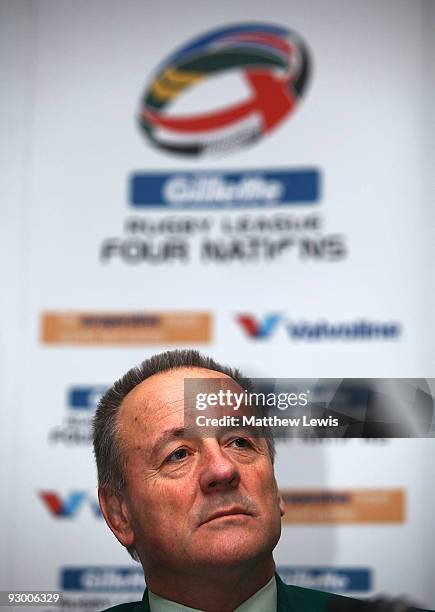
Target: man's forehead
<point x="162" y="390"/>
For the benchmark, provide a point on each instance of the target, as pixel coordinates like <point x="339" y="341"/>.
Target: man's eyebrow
<point x="166" y="436"/>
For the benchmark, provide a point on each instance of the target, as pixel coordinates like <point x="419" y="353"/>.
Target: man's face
<point x="193" y="501"/>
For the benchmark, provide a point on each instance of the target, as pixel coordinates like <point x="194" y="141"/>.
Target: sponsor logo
<point x="262" y="329"/>
<point x="259" y="329"/>
<point x="75" y="430"/>
<point x="102" y="578"/>
<point x="346" y="507"/>
<point x="126" y="328"/>
<point x="274" y="64"/>
<point x="333" y="579"/>
<point x="70" y="504"/>
<point x="85" y="398"/>
<point x="220" y="189"/>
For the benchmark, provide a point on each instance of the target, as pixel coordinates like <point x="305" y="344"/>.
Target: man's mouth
<point x="233" y="511"/>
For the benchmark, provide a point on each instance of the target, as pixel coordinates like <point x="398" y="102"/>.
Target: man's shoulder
<point x="305" y="600"/>
<point x="309" y="600"/>
<point x="305" y="593"/>
<point x="132" y="606"/>
<point x="290" y="598"/>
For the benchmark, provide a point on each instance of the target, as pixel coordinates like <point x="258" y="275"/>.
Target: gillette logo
<point x="223" y="189"/>
<point x="85" y="397"/>
<point x="111" y="579"/>
<point x="76" y="427"/>
<point x="334" y="579"/>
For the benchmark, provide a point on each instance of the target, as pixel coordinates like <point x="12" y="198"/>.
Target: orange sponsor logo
<point x="125" y="328"/>
<point x="344" y="506"/>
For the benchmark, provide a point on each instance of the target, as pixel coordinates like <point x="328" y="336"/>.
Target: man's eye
<point x="180" y="453"/>
<point x="241" y="443"/>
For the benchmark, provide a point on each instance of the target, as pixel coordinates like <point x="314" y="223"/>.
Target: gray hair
<point x="108" y="454"/>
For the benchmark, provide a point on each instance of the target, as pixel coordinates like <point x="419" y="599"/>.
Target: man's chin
<point x="231" y="545"/>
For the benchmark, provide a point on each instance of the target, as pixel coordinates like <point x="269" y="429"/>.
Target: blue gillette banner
<point x="333" y="579"/>
<point x="85" y="398"/>
<point x="102" y="578"/>
<point x="215" y="189"/>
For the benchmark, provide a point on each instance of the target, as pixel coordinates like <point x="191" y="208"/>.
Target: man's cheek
<point x="168" y="503"/>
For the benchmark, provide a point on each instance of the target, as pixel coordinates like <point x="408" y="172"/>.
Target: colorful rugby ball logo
<point x="274" y="64"/>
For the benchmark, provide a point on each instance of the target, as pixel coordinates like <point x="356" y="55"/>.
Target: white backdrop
<point x="73" y="74"/>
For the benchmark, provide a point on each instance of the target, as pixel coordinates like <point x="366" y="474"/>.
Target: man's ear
<point x="115" y="512"/>
<point x="281" y="504"/>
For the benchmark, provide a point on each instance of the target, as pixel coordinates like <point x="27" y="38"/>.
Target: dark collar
<point x="283" y="600"/>
<point x="288" y="599"/>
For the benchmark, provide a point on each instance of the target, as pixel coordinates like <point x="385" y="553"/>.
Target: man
<point x="201" y="514"/>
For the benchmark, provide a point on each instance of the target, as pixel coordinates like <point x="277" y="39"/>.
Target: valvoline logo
<point x="68" y="506"/>
<point x="256" y="328"/>
<point x="274" y="66"/>
<point x="321" y="330"/>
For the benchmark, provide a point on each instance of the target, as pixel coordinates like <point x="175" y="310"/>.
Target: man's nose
<point x="218" y="472"/>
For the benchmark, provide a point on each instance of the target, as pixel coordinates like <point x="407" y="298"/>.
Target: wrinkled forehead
<point x="158" y="403"/>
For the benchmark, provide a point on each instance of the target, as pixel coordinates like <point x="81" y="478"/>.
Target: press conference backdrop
<point x="252" y="179"/>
